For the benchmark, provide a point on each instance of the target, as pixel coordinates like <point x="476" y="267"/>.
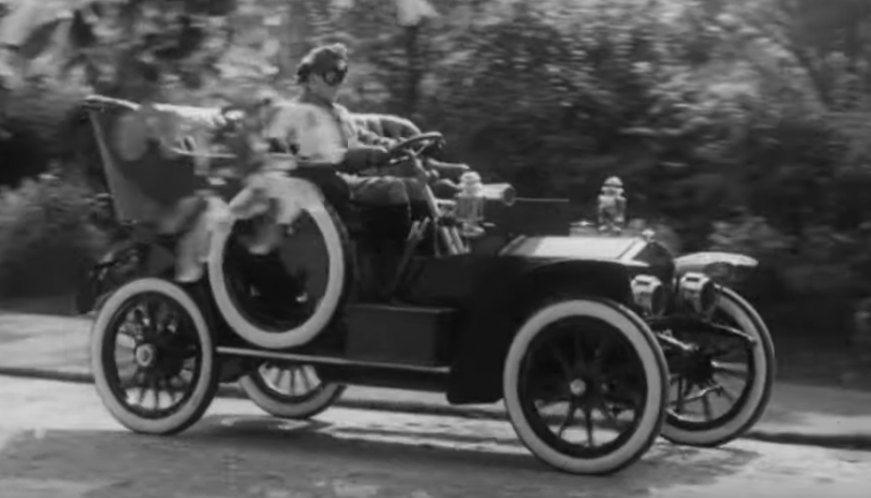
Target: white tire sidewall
<point x="308" y="330"/>
<point x="742" y="313"/>
<point x="202" y="392"/>
<point x="264" y="398"/>
<point x="635" y="332"/>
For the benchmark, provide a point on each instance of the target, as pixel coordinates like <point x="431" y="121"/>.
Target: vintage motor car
<point x="596" y="342"/>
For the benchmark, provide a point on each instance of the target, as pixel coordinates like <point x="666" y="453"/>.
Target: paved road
<point x="57" y="347"/>
<point x="56" y="441"/>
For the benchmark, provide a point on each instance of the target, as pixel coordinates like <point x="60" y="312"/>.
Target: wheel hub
<point x="145" y="355"/>
<point x="578" y="387"/>
<point x="700" y="368"/>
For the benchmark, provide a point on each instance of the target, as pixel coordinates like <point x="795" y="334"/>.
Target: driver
<point x="327" y="132"/>
<point x="319" y="130"/>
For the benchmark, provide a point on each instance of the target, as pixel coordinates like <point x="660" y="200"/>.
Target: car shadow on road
<point x="241" y="451"/>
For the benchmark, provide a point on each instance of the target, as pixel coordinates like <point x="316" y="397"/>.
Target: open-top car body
<point x="584" y="336"/>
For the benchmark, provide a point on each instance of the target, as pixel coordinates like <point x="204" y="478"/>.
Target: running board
<point x="330" y="360"/>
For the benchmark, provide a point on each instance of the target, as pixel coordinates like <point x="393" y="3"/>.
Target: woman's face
<point x="319" y="87"/>
<point x="327" y="85"/>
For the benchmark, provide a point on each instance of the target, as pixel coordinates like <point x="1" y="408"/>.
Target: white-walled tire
<point x="751" y="403"/>
<point x="273" y="389"/>
<point x="338" y="253"/>
<point x="164" y="344"/>
<point x="632" y="345"/>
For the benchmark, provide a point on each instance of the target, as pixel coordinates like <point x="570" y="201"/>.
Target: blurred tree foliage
<point x="740" y="124"/>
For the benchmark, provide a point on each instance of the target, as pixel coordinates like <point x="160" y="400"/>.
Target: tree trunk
<point x="414" y="73"/>
<point x="295" y="37"/>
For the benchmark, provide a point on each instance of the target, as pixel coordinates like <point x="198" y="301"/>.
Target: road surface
<point x="56" y="441"/>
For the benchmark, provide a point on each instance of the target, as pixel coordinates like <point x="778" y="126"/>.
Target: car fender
<point x="717" y="265"/>
<point x="104" y="277"/>
<point x="498" y="311"/>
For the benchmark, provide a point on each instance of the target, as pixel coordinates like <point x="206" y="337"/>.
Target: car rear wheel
<point x="724" y="387"/>
<point x="153" y="358"/>
<point x="289" y="390"/>
<point x="590" y="357"/>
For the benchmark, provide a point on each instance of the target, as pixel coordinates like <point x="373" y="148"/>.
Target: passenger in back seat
<point x="192" y="217"/>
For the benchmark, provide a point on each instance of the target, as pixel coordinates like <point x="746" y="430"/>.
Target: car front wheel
<point x="585" y="385"/>
<point x="722" y="386"/>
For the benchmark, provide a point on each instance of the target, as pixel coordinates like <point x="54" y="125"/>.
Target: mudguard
<point x="115" y="269"/>
<point x="720" y="266"/>
<point x="506" y="296"/>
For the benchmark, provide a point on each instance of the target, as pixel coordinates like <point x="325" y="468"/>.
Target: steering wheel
<point x="415" y="146"/>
